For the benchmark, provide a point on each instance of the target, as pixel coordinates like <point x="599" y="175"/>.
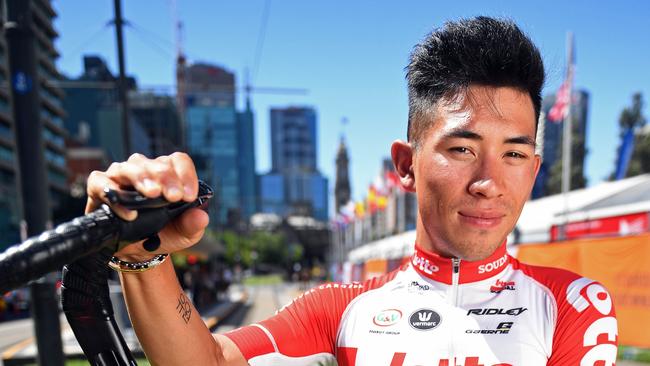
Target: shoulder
<point x="569" y="288"/>
<point x="586" y="327"/>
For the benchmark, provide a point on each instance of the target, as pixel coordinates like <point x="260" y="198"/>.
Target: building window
<point x="6" y="155"/>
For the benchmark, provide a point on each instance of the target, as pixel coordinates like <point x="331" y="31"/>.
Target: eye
<point x="516" y="155"/>
<point x="460" y="150"/>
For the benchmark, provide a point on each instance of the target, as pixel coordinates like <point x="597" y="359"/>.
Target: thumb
<point x="191" y="224"/>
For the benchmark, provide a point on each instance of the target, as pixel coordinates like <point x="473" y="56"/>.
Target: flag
<point x="625" y="154"/>
<point x="560" y="108"/>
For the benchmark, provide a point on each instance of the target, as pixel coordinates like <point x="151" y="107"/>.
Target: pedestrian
<point x="474" y="100"/>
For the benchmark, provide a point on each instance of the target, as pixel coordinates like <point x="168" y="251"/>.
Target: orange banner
<point x="621" y="264"/>
<point x="374" y="268"/>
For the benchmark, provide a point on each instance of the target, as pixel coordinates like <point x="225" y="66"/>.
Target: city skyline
<point x="351" y="58"/>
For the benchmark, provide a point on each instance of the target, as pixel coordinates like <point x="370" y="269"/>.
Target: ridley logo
<point x="502" y="285"/>
<point x="424" y="319"/>
<point x="387" y="317"/>
<point x="424" y="265"/>
<point x="489" y="267"/>
<point x="497" y="311"/>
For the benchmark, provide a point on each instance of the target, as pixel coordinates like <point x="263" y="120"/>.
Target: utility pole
<point x="121" y="85"/>
<point x="31" y="174"/>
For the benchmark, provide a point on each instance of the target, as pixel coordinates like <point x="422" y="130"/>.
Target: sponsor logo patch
<point x="496" y="264"/>
<point x="497" y="311"/>
<point x="424" y="265"/>
<point x="502" y="328"/>
<point x="424" y="319"/>
<point x="387" y="317"/>
<point x="415" y="286"/>
<point x="502" y="285"/>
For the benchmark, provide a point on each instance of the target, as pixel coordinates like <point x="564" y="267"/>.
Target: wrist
<point x="141" y="266"/>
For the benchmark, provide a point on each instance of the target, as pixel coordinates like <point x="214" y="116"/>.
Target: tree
<point x="259" y="248"/>
<point x="640" y="161"/>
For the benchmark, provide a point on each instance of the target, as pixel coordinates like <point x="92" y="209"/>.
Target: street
<point x="13" y="332"/>
<point x="263" y="301"/>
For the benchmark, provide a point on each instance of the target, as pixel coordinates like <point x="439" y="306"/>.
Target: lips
<point x="481" y="219"/>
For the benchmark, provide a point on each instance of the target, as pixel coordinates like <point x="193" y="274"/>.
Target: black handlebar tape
<point x="47" y="252"/>
<point x="86" y="302"/>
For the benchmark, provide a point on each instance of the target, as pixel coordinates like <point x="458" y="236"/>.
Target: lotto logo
<point x="424" y="265"/>
<point x="398" y="360"/>
<point x="582" y="294"/>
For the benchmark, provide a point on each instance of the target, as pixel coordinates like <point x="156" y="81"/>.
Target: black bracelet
<point x="123" y="266"/>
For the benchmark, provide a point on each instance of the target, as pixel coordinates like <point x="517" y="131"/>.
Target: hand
<point x="172" y="176"/>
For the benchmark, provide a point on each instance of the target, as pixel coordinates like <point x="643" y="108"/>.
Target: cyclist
<point x="474" y="101"/>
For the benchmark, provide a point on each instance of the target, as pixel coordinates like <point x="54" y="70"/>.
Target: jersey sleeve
<point x="302" y="333"/>
<point x="586" y="331"/>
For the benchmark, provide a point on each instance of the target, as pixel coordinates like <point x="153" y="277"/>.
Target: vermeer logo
<point x="424" y="319"/>
<point x="387" y="317"/>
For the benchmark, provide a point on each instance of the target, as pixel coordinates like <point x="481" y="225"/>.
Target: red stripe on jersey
<point x="310" y="323"/>
<point x="586" y="329"/>
<point x="398" y="359"/>
<point x="251" y="341"/>
<point x="346" y="356"/>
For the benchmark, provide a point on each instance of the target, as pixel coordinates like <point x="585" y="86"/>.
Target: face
<point x="472" y="171"/>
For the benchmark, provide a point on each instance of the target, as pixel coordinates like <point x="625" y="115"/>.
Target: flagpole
<point x="566" y="137"/>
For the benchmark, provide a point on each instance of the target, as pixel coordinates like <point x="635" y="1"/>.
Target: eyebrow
<point x="467" y="134"/>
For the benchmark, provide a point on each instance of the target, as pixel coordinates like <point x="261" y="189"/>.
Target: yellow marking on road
<point x="211" y="322"/>
<point x="11" y="351"/>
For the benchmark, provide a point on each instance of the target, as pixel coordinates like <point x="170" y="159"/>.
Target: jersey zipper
<point x="455" y="275"/>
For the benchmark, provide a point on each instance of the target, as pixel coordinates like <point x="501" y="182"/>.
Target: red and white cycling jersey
<point x="443" y="312"/>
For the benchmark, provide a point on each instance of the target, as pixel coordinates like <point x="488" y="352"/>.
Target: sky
<point x="350" y="57"/>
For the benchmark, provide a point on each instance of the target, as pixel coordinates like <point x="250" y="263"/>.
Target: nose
<point x="488" y="180"/>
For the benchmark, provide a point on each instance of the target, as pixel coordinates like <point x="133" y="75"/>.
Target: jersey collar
<point x="437" y="268"/>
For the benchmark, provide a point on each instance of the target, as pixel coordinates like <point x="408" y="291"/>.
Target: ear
<point x="538" y="163"/>
<point x="403" y="154"/>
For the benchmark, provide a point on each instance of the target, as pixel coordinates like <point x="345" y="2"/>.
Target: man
<point x="474" y="99"/>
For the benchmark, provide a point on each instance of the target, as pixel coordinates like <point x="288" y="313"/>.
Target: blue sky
<point x="350" y="56"/>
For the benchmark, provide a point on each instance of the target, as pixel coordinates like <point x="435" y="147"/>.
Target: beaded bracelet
<point x="123" y="266"/>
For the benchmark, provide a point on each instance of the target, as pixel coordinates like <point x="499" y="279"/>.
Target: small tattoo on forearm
<point x="184" y="307"/>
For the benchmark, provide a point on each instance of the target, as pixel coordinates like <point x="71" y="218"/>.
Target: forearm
<point x="168" y="326"/>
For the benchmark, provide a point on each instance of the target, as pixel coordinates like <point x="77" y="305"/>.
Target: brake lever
<point x="153" y="214"/>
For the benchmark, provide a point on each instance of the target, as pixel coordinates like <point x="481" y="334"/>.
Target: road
<point x="263" y="301"/>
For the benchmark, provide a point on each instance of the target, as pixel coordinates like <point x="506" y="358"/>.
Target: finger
<point x="97" y="183"/>
<point x="184" y="167"/>
<point x="162" y="171"/>
<point x="136" y="174"/>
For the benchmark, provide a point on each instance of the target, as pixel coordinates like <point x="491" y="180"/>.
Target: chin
<point x="478" y="248"/>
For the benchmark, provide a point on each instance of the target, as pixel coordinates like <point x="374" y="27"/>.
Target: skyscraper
<point x="294" y="186"/>
<point x="247" y="174"/>
<point x="51" y="113"/>
<point x="220" y="140"/>
<point x="549" y="178"/>
<point x="342" y="186"/>
<point x="158" y="115"/>
<point x="93" y="115"/>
